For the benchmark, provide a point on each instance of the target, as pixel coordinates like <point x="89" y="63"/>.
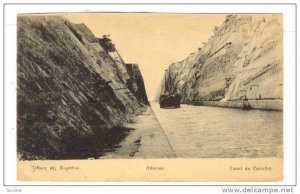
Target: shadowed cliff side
<point x="73" y="97"/>
<point x="136" y="83"/>
<point x="243" y="60"/>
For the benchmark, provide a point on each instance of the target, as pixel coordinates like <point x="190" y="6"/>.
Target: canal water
<point x="215" y="132"/>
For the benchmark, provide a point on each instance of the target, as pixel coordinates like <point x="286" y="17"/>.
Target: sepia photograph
<point x="81" y="97"/>
<point x="113" y="86"/>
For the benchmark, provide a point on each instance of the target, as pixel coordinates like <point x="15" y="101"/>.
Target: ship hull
<point x="170" y="102"/>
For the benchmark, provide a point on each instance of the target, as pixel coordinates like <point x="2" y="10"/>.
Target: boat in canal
<point x="169" y="100"/>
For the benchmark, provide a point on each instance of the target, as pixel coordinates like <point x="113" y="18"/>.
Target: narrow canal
<point x="202" y="132"/>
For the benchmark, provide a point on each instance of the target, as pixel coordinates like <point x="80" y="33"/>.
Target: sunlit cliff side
<point x="242" y="60"/>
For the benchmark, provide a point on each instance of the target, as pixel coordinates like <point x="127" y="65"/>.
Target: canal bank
<point x="146" y="140"/>
<point x="276" y="105"/>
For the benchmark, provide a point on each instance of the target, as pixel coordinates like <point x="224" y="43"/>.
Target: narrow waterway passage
<point x="215" y="132"/>
<point x="202" y="132"/>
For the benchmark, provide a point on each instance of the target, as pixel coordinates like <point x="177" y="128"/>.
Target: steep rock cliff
<point x="243" y="59"/>
<point x="73" y="96"/>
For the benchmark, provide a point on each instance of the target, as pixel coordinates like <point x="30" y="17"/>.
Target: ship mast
<point x="166" y="81"/>
<point x="169" y="81"/>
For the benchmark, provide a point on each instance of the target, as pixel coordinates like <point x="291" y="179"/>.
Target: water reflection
<point x="213" y="132"/>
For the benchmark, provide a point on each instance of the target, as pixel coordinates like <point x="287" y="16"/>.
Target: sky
<point x="152" y="40"/>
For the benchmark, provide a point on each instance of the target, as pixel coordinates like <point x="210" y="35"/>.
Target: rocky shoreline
<point x="272" y="105"/>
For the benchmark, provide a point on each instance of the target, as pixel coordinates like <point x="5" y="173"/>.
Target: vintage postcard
<point x="149" y="97"/>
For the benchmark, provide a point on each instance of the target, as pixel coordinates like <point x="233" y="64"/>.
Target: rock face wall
<point x="72" y="95"/>
<point x="243" y="59"/>
<point x="136" y="83"/>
